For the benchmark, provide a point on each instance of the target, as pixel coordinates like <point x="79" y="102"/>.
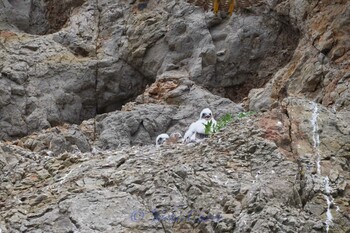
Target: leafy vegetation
<point x="211" y="128"/>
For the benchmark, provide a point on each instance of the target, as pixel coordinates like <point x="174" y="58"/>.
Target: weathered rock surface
<point x="320" y="67"/>
<point x="235" y="181"/>
<point x="86" y="86"/>
<point x="57" y="140"/>
<point x="81" y="58"/>
<point x="14" y="15"/>
<point x="48" y="87"/>
<point x="169" y="105"/>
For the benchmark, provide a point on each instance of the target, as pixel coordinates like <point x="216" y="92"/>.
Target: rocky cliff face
<point x="94" y="56"/>
<point x="86" y="86"/>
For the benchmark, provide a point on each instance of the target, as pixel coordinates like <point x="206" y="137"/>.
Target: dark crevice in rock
<point x="74" y="222"/>
<point x="38" y="215"/>
<point x="57" y="13"/>
<point x="50" y="16"/>
<point x="290" y="132"/>
<point x="80" y="52"/>
<point x="138" y="129"/>
<point x="109" y="106"/>
<point x="97" y="65"/>
<point x="259" y="69"/>
<point x="38" y="17"/>
<point x="161" y="222"/>
<point x="129" y="89"/>
<point x="120" y="163"/>
<point x="238" y="92"/>
<point x="301" y="180"/>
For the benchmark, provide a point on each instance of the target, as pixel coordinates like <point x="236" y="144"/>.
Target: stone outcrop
<point x="235" y="181"/>
<point x="67" y="62"/>
<point x="87" y="85"/>
<point x="47" y="87"/>
<point x="169" y="105"/>
<point x="319" y="69"/>
<point x="60" y="139"/>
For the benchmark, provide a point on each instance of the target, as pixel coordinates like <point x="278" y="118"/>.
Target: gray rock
<point x="138" y="126"/>
<point x="93" y="57"/>
<point x="330" y="125"/>
<point x="55" y="141"/>
<point x="14" y="15"/>
<point x="260" y="99"/>
<point x="317" y="70"/>
<point x="213" y="186"/>
<point x="141" y="123"/>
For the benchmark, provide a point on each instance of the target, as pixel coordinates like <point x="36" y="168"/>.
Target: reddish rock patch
<point x="275" y="125"/>
<point x="157" y="92"/>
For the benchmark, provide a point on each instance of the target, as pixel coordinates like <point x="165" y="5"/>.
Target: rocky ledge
<point x="242" y="179"/>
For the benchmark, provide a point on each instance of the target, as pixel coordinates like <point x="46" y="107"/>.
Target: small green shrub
<point x="210" y="128"/>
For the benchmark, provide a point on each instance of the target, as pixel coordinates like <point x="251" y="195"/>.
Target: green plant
<point x="211" y="128"/>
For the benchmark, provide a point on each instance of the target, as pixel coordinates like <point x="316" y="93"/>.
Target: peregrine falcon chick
<point x="196" y="130"/>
